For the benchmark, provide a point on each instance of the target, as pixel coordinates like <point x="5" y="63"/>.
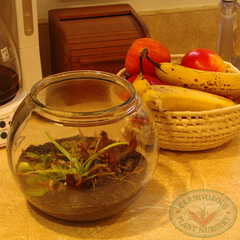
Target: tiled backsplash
<point x="180" y="31"/>
<point x="185" y="29"/>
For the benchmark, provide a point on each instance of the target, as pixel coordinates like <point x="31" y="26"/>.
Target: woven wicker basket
<point x="194" y="131"/>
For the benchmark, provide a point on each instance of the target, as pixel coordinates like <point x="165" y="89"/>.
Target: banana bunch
<point x="220" y="83"/>
<point x="174" y="98"/>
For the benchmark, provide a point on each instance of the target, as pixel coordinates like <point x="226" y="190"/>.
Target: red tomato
<point x="204" y="59"/>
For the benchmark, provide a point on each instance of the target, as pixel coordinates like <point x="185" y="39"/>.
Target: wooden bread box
<point x="93" y="38"/>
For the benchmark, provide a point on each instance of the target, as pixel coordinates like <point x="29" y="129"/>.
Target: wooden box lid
<point x="95" y="38"/>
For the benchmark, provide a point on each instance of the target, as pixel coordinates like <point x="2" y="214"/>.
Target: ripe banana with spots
<point x="220" y="83"/>
<point x="174" y="98"/>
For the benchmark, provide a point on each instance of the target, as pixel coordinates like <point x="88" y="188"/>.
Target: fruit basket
<point x="198" y="130"/>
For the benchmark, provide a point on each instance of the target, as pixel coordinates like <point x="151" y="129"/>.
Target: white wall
<point x="138" y="5"/>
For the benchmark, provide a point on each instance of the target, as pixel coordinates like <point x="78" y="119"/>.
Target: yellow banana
<point x="173" y="98"/>
<point x="224" y="84"/>
<point x="141" y="83"/>
<point x="220" y="83"/>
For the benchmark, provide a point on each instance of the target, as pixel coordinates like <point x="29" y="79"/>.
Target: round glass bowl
<point x="82" y="145"/>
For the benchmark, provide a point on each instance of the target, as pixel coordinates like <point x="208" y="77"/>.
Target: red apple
<point x="203" y="59"/>
<point x="151" y="79"/>
<point x="157" y="52"/>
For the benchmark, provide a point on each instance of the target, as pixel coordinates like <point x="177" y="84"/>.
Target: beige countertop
<point x="177" y="173"/>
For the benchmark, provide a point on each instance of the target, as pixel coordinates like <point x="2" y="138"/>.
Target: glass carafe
<point x="10" y="76"/>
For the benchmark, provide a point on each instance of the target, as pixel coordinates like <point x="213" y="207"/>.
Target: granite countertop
<point x="157" y="214"/>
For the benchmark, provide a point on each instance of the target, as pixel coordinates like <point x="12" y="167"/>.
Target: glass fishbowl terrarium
<point x="82" y="145"/>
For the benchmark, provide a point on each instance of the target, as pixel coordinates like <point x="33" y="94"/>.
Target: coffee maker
<point x="20" y="64"/>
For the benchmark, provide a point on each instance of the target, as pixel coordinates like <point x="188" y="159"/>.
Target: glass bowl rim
<point x="81" y="74"/>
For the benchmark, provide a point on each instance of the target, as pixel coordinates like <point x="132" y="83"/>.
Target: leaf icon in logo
<point x="203" y="221"/>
